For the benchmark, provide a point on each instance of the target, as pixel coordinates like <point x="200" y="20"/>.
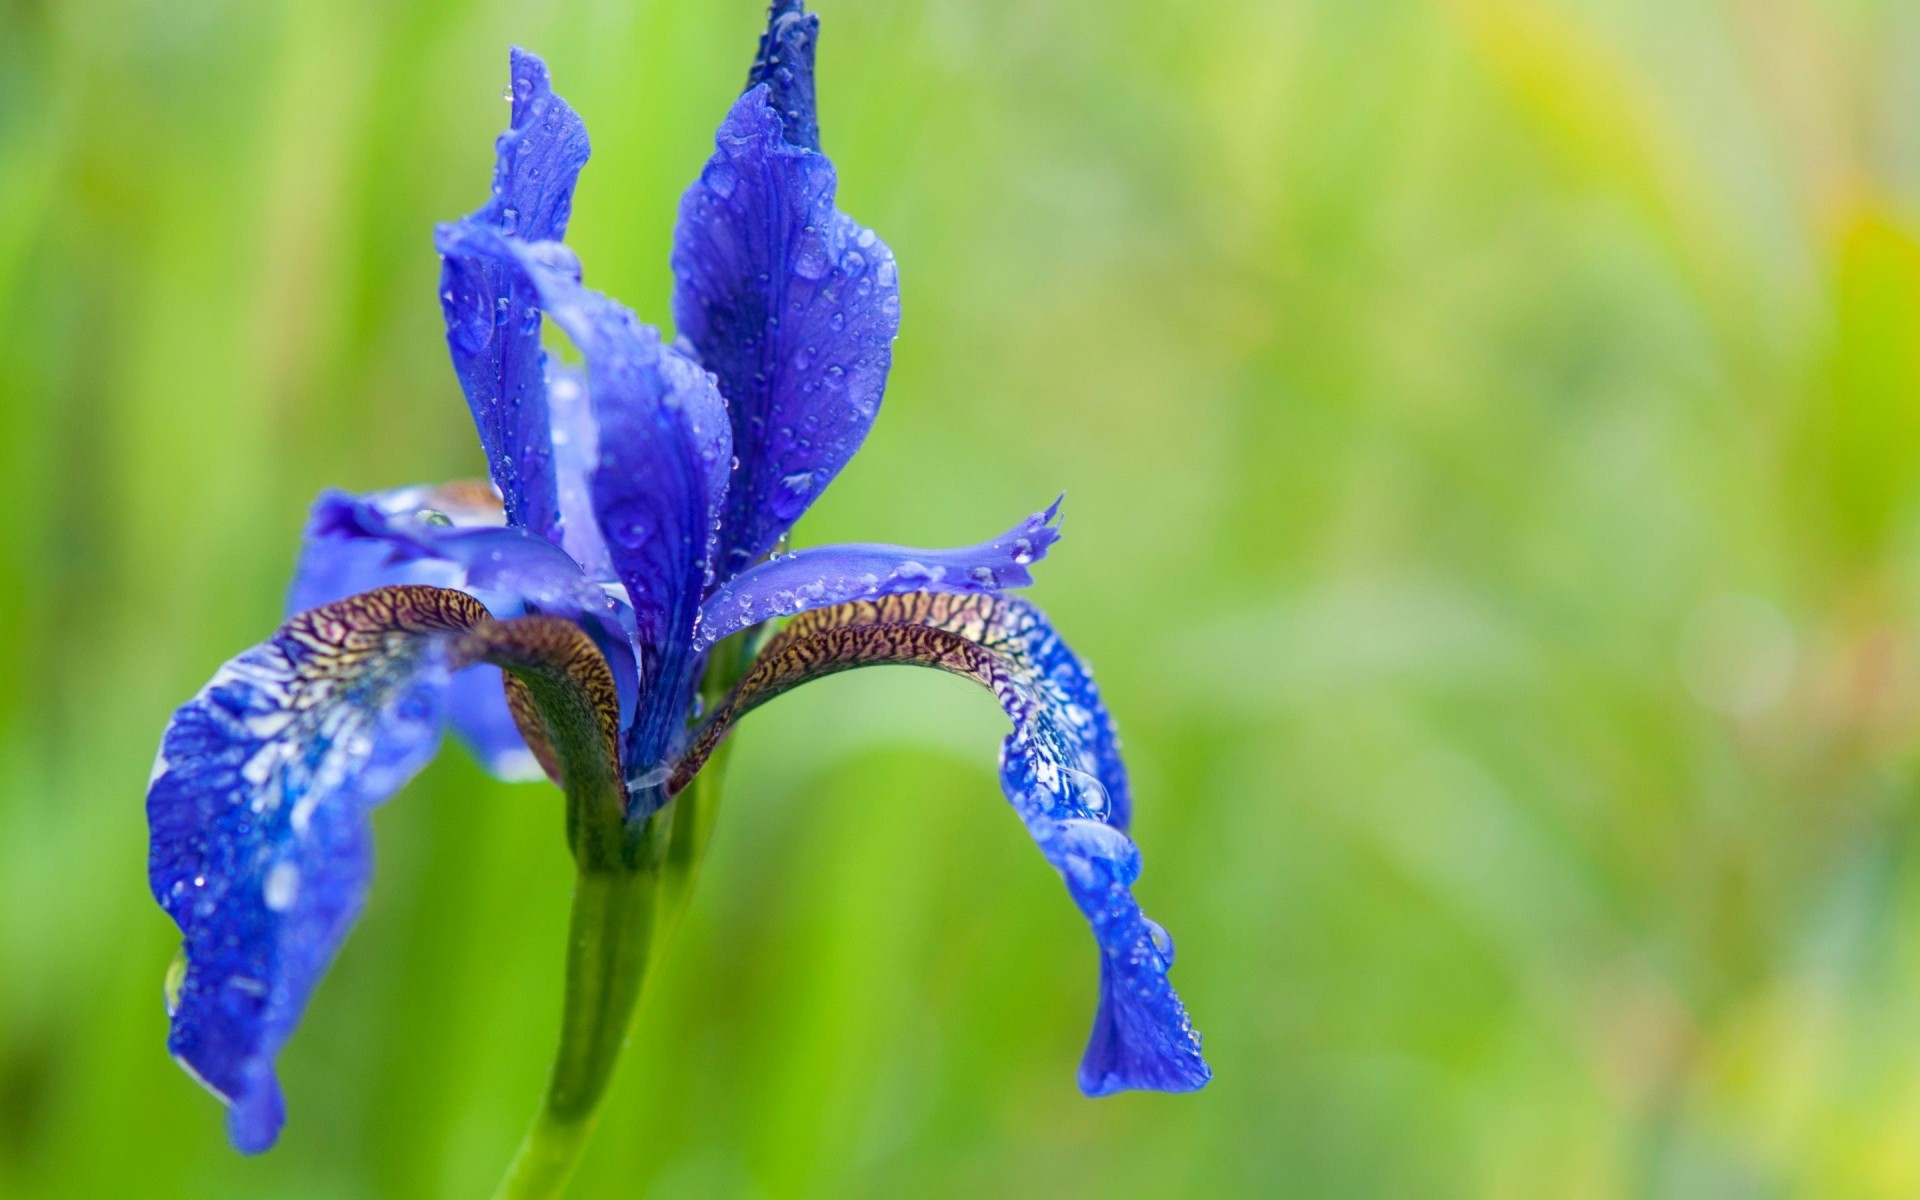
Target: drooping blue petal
<point x="663" y="456"/>
<point x="1060" y="768"/>
<point x="790" y="303"/>
<point x="451" y="536"/>
<point x="258" y="807"/>
<point x="493" y="324"/>
<point x="823" y="575"/>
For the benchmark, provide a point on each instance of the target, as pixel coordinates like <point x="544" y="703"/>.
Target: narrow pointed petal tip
<point x="824" y="575"/>
<point x="785" y="64"/>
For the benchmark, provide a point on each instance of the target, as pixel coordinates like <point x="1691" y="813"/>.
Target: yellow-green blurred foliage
<point x="1490" y="431"/>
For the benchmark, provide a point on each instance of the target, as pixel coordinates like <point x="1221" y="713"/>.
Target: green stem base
<point x="624" y="917"/>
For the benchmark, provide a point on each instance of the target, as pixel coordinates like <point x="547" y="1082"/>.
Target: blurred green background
<point x="1491" y="431"/>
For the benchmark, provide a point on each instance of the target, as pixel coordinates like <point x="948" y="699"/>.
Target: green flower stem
<point x="608" y="951"/>
<point x="633" y="888"/>
<point x="695" y="809"/>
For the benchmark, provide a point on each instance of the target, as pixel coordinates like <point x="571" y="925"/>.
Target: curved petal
<point x="261" y="848"/>
<point x="660" y="477"/>
<point x="1061" y="770"/>
<point x="790" y="303"/>
<point x="823" y="575"/>
<point x="258" y="806"/>
<point x="493" y="324"/>
<point x="452" y="536"/>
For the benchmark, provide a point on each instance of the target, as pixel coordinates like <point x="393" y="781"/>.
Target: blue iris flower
<point x="564" y="619"/>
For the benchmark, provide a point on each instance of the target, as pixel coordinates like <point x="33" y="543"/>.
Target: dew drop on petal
<point x="791" y="496"/>
<point x="282" y="886"/>
<point x="720" y="177"/>
<point x="176" y="979"/>
<point x="1161" y="939"/>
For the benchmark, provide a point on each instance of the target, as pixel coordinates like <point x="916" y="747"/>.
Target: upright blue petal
<point x="452" y="536"/>
<point x="790" y="303"/>
<point x="664" y="452"/>
<point x="785" y="64"/>
<point x="493" y="324"/>
<point x="1060" y="768"/>
<point x="824" y="575"/>
<point x="261" y="848"/>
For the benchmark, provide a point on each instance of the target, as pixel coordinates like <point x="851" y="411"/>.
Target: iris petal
<point x="452" y="536"/>
<point x="493" y="324"/>
<point x="823" y="575"/>
<point x="793" y="307"/>
<point x="659" y="479"/>
<point x="1060" y="768"/>
<point x="258" y="807"/>
<point x="261" y="848"/>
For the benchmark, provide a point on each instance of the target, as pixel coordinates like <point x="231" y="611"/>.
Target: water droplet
<point x="811" y="262"/>
<point x="648" y="780"/>
<point x="282" y="886"/>
<point x="791" y="497"/>
<point x="1161" y="939"/>
<point x="433" y="516"/>
<point x="176" y="979"/>
<point x="1085" y="792"/>
<point x="720" y="177"/>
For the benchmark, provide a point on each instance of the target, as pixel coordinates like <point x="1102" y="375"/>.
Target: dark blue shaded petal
<point x="451" y="536"/>
<point x="261" y="848"/>
<point x="785" y="65"/>
<point x="822" y="575"/>
<point x="493" y="324"/>
<point x="663" y="455"/>
<point x="793" y="307"/>
<point x="1061" y="770"/>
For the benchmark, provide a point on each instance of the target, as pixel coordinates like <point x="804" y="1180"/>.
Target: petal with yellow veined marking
<point x="1060" y="769"/>
<point x="258" y="808"/>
